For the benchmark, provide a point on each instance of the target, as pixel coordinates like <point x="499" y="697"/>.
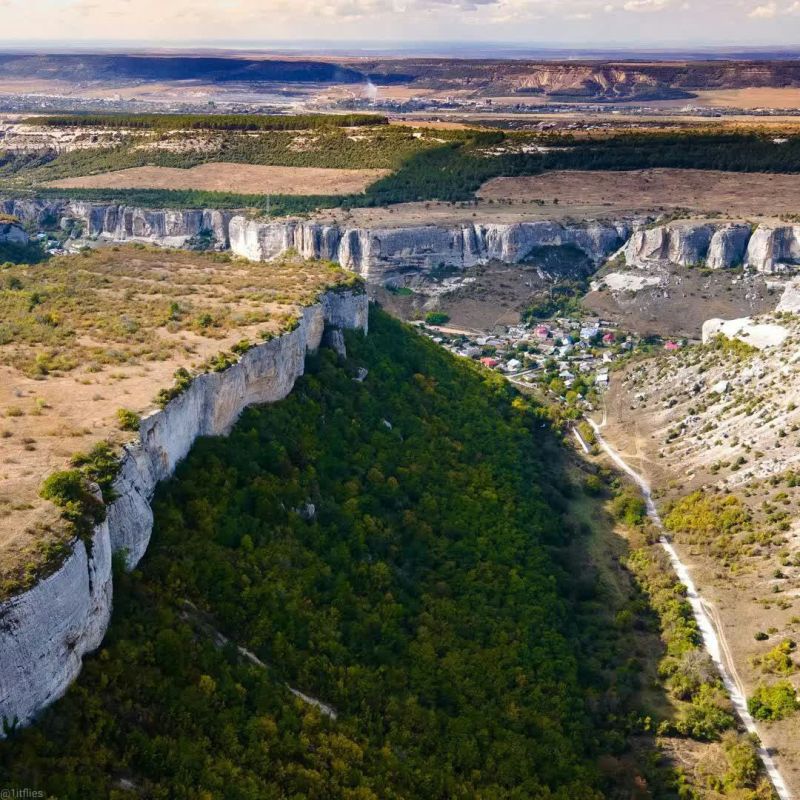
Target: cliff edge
<point x="46" y="631"/>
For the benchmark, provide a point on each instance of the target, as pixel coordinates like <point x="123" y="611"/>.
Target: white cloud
<point x="646" y="5"/>
<point x="766" y="11"/>
<point x="533" y="22"/>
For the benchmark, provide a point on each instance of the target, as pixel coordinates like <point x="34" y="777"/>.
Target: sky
<point x="627" y="23"/>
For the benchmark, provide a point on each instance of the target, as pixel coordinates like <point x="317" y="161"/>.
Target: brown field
<point x="109" y="332"/>
<point x="702" y="191"/>
<point x="227" y="177"/>
<point x="745" y="99"/>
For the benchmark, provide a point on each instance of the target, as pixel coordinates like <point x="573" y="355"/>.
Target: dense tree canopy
<point x="416" y="597"/>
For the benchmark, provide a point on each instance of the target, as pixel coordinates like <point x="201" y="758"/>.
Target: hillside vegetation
<point x="392" y="585"/>
<point x="385" y="546"/>
<point x="210" y="122"/>
<point x="446" y="165"/>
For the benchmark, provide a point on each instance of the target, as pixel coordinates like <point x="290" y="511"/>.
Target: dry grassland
<point x="84" y="336"/>
<point x="228" y="177"/>
<point x="703" y="191"/>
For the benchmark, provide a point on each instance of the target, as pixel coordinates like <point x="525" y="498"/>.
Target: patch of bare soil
<point x="228" y="177"/>
<point x="502" y="212"/>
<point x="485" y="296"/>
<point x="753" y="97"/>
<point x="701" y="191"/>
<point x="682" y="300"/>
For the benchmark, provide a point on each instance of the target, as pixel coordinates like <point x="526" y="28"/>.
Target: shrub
<point x="743" y="763"/>
<point x="437" y="318"/>
<point x="629" y="507"/>
<point x="63" y="487"/>
<point x="593" y="485"/>
<point x="773" y="702"/>
<point x="70" y="491"/>
<point x="706" y="717"/>
<point x="183" y="379"/>
<point x="778" y="660"/>
<point x="101" y="466"/>
<point x="128" y="420"/>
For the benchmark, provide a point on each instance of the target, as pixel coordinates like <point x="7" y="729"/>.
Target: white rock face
<point x="728" y="246"/>
<point x="45" y="632"/>
<point x="375" y="253"/>
<point x="774" y="249"/>
<point x="718" y="245"/>
<point x="11" y="233"/>
<point x="760" y="335"/>
<point x="372" y="253"/>
<point x="685" y="244"/>
<point x="790" y="298"/>
<point x="169" y="227"/>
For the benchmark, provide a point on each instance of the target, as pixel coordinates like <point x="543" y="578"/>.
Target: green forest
<point x="209" y="122"/>
<point x="396" y="547"/>
<point x="414" y="551"/>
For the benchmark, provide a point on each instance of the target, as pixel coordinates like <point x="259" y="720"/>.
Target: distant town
<point x="569" y="357"/>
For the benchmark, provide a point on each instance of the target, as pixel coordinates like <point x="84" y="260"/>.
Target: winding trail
<point x="706" y="616"/>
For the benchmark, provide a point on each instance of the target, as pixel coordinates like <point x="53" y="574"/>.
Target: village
<point x="572" y="358"/>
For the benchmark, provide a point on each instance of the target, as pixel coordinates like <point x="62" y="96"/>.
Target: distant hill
<point x="90" y="67"/>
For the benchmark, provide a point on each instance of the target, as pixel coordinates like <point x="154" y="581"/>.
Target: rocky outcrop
<point x="721" y="245"/>
<point x="757" y="334"/>
<point x="684" y="244"/>
<point x="379" y="253"/>
<point x="374" y="253"/>
<point x="119" y="223"/>
<point x="13" y="233"/>
<point x="45" y="632"/>
<point x="774" y="249"/>
<point x="168" y="227"/>
<point x="728" y="246"/>
<point x="382" y="254"/>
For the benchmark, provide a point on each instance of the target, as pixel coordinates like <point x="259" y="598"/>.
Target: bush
<point x="128" y="420"/>
<point x="63" y="487"/>
<point x="80" y="508"/>
<point x="773" y="702"/>
<point x="436" y="318"/>
<point x="629" y="507"/>
<point x="743" y="763"/>
<point x="183" y="380"/>
<point x="101" y="466"/>
<point x="778" y="660"/>
<point x="707" y="716"/>
<point x="593" y="485"/>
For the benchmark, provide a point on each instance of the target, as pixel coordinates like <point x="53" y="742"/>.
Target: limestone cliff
<point x="379" y="253"/>
<point x="119" y="223"/>
<point x="12" y="233"/>
<point x="45" y="632"/>
<point x="384" y="253"/>
<point x="374" y="253"/>
<point x="718" y="245"/>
